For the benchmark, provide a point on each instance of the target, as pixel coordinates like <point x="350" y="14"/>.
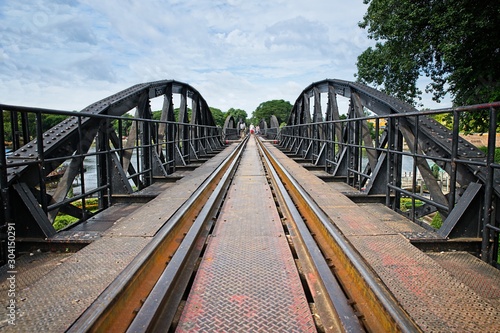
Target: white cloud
<point x="68" y="54"/>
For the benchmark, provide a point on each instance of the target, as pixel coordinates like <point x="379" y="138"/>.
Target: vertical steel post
<point x="102" y="165"/>
<point x="414" y="169"/>
<point x="486" y="248"/>
<point x="4" y="191"/>
<point x="25" y="128"/>
<point x="146" y="144"/>
<point x="168" y="108"/>
<point x="82" y="168"/>
<point x="317" y="118"/>
<point x="120" y="141"/>
<point x="398" y="164"/>
<point x="183" y="119"/>
<point x="453" y="162"/>
<point x="196" y="118"/>
<point x="390" y="160"/>
<point x="14" y="124"/>
<point x="41" y="161"/>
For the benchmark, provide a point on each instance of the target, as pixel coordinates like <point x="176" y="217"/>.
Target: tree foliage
<point x="237" y="114"/>
<point x="219" y="116"/>
<point x="453" y="42"/>
<point x="280" y="108"/>
<point x="48" y="121"/>
<point x="126" y="123"/>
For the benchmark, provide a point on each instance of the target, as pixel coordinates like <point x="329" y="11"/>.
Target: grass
<point x="64" y="220"/>
<point x="406" y="203"/>
<point x="437" y="221"/>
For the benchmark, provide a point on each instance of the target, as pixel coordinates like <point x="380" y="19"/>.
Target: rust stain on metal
<point x="120" y="314"/>
<point x="247" y="281"/>
<point x="375" y="315"/>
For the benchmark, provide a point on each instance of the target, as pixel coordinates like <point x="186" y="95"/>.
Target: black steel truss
<point x="371" y="160"/>
<point x="159" y="147"/>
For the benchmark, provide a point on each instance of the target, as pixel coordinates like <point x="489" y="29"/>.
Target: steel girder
<point x="73" y="137"/>
<point x="230" y="129"/>
<point x="425" y="138"/>
<point x="271" y="130"/>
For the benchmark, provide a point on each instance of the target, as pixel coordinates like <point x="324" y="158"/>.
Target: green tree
<point x="237" y="114"/>
<point x="51" y="120"/>
<point x="280" y="108"/>
<point x="48" y="121"/>
<point x="156" y="115"/>
<point x="219" y="116"/>
<point x="177" y="112"/>
<point x="126" y="124"/>
<point x="7" y="127"/>
<point x="454" y="42"/>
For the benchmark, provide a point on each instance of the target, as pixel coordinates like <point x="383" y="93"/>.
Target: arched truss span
<point x="177" y="139"/>
<point x="370" y="156"/>
<point x="271" y="130"/>
<point x="274" y="123"/>
<point x="263" y="126"/>
<point x="230" y="129"/>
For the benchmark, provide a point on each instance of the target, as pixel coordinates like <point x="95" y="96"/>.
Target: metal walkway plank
<point x="434" y="297"/>
<point x="247" y="280"/>
<point x="54" y="298"/>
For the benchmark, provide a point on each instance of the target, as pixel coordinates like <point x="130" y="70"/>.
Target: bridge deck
<point x="440" y="291"/>
<point x="55" y="289"/>
<point x="247" y="280"/>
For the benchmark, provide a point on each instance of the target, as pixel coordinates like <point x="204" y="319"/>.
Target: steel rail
<point x="116" y="308"/>
<point x="159" y="308"/>
<point x="333" y="306"/>
<point x="381" y="310"/>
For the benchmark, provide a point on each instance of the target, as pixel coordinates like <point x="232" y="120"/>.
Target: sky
<point x="66" y="55"/>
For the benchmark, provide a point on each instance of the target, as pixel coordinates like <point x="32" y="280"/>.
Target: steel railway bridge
<point x="165" y="209"/>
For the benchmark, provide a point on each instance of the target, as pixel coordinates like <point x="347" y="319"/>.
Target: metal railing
<point x="408" y="155"/>
<point x="85" y="155"/>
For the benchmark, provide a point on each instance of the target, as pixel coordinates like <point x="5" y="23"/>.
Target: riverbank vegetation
<point x="63" y="220"/>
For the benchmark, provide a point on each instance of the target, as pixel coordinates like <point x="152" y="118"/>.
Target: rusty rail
<point x="380" y="309"/>
<point x="167" y="259"/>
<point x="146" y="296"/>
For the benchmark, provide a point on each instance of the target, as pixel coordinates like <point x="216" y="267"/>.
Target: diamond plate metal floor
<point x="247" y="280"/>
<point x="441" y="292"/>
<point x="483" y="279"/>
<point x="55" y="289"/>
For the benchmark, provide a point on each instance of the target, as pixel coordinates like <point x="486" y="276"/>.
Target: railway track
<point x="160" y="289"/>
